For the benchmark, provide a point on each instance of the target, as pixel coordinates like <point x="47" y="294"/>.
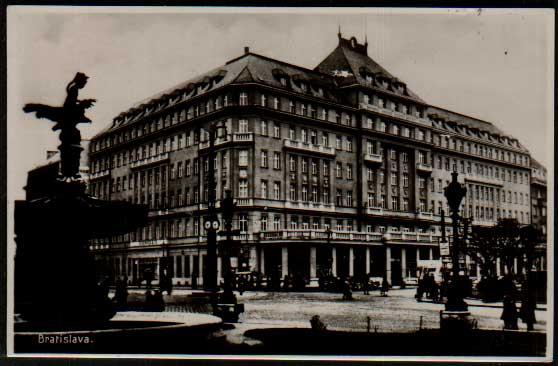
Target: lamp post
<point x="212" y="223"/>
<point x="455" y="193"/>
<point x="228" y="207"/>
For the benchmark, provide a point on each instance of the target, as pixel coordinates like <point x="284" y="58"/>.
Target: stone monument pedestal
<point x="55" y="280"/>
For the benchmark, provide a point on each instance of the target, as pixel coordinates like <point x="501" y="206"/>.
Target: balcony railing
<point x="103" y="173"/>
<point x="323" y="236"/>
<point x="149" y="242"/>
<point x="376" y="211"/>
<point x="484" y="222"/>
<point x="423" y="167"/>
<point x="243" y="137"/>
<point x="483" y="180"/>
<point x="307" y="147"/>
<point x="391" y="113"/>
<point x="151" y="160"/>
<point x="303" y="205"/>
<point x="373" y="158"/>
<point x="244" y="202"/>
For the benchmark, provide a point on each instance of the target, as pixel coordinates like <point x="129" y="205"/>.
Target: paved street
<point x="399" y="312"/>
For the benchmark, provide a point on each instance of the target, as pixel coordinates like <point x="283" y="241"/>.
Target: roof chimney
<point x="246" y="50"/>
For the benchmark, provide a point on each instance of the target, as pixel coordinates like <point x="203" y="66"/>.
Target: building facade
<point x="340" y="168"/>
<point x="538" y="210"/>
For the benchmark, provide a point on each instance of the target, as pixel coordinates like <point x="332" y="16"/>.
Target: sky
<point x="496" y="65"/>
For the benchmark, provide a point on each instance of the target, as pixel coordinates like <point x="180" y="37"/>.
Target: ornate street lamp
<point x="455" y="193"/>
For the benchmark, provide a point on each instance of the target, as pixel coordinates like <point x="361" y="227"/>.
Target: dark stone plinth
<point x="55" y="280"/>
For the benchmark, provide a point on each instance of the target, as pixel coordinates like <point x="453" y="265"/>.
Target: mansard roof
<point x="248" y="68"/>
<point x="485" y="130"/>
<point x="349" y="63"/>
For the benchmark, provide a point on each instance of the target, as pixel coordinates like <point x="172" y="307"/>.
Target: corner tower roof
<point x="350" y="64"/>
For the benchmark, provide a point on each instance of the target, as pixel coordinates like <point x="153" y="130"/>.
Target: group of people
<point x="510" y="313"/>
<point x="428" y="287"/>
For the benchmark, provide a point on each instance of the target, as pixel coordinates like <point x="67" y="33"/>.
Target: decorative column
<point x="191" y="260"/>
<point x="478" y="269"/>
<point x="201" y="269"/>
<point x="219" y="274"/>
<point x="497" y="266"/>
<point x="253" y="260"/>
<point x="388" y="263"/>
<point x="515" y="265"/>
<point x="403" y="263"/>
<point x="158" y="269"/>
<point x="284" y="262"/>
<point x="262" y="261"/>
<point x="351" y="262"/>
<point x="367" y="258"/>
<point x="430" y="254"/>
<point x="334" y="262"/>
<point x="312" y="262"/>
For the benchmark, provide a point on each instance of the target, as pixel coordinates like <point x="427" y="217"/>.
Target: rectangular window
<point x="243" y="222"/>
<point x="243" y="126"/>
<point x="243" y="99"/>
<point x="304" y="166"/>
<point x="263" y="128"/>
<point x="338" y="170"/>
<point x="276" y="131"/>
<point x="276" y="190"/>
<point x="338" y="142"/>
<point x="292" y="133"/>
<point x="243" y="158"/>
<point x="350" y="198"/>
<point x="263" y="157"/>
<point x="394" y="203"/>
<point x="276" y="160"/>
<point x="349" y="144"/>
<point x="263" y="186"/>
<point x="242" y="188"/>
<point x="349" y="171"/>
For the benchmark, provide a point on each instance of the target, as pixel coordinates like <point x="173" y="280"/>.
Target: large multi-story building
<point x="340" y="167"/>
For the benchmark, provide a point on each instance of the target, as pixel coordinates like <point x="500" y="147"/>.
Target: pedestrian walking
<point x="385" y="287"/>
<point x="509" y="313"/>
<point x="347" y="293"/>
<point x="121" y="293"/>
<point x="366" y="284"/>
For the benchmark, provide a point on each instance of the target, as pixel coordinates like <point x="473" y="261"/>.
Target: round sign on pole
<point x="207" y="225"/>
<point x="215" y="225"/>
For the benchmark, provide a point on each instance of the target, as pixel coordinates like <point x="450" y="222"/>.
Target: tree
<point x="528" y="237"/>
<point x="508" y="241"/>
<point x="483" y="249"/>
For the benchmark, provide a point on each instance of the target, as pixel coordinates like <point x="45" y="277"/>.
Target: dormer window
<point x="369" y="79"/>
<point x="303" y="87"/>
<point x="283" y="81"/>
<point x="263" y="100"/>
